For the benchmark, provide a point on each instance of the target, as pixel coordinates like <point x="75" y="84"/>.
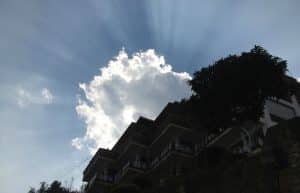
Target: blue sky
<point x="48" y="47"/>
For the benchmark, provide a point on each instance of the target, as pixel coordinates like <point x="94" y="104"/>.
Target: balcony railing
<point x="212" y="137"/>
<point x="171" y="118"/>
<point x="100" y="178"/>
<point x="136" y="164"/>
<point x="142" y="165"/>
<point x="106" y="178"/>
<point x="183" y="148"/>
<point x="91" y="183"/>
<point x="172" y="147"/>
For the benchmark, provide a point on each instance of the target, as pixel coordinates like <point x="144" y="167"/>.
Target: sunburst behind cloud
<point x="128" y="87"/>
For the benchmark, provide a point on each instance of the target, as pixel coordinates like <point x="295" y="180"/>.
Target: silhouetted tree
<point x="43" y="188"/>
<point x="235" y="88"/>
<point x="55" y="187"/>
<point x="32" y="190"/>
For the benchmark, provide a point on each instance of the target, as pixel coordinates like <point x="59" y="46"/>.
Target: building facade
<point x="169" y="145"/>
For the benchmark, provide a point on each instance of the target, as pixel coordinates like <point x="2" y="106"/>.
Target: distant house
<point x="169" y="145"/>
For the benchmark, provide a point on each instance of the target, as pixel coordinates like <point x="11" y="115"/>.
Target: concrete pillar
<point x="267" y="120"/>
<point x="295" y="105"/>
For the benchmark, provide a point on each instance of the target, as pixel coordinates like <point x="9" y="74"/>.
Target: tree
<point x="32" y="190"/>
<point x="43" y="188"/>
<point x="234" y="89"/>
<point x="55" y="187"/>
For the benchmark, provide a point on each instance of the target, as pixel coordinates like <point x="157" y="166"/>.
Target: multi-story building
<point x="169" y="145"/>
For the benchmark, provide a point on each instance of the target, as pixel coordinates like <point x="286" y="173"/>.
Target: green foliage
<point x="234" y="89"/>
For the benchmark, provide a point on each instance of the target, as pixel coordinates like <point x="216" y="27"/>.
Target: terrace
<point x="173" y="147"/>
<point x="98" y="180"/>
<point x="134" y="166"/>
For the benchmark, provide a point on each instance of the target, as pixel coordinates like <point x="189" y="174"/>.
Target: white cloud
<point x="47" y="95"/>
<point x="124" y="90"/>
<point x="27" y="97"/>
<point x="24" y="97"/>
<point x="77" y="143"/>
<point x="298" y="79"/>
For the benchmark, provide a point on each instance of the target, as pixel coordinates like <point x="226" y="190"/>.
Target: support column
<point x="295" y="105"/>
<point x="266" y="119"/>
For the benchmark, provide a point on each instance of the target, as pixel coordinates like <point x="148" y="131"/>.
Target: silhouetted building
<point x="169" y="145"/>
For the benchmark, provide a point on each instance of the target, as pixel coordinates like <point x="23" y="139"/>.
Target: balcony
<point x="135" y="165"/>
<point x="98" y="179"/>
<point x="215" y="136"/>
<point x="101" y="156"/>
<point x="172" y="119"/>
<point x="106" y="178"/>
<point x="172" y="148"/>
<point x="183" y="148"/>
<point x="91" y="183"/>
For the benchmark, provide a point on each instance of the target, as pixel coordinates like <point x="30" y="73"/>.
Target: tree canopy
<point x="234" y="89"/>
<point x="54" y="187"/>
